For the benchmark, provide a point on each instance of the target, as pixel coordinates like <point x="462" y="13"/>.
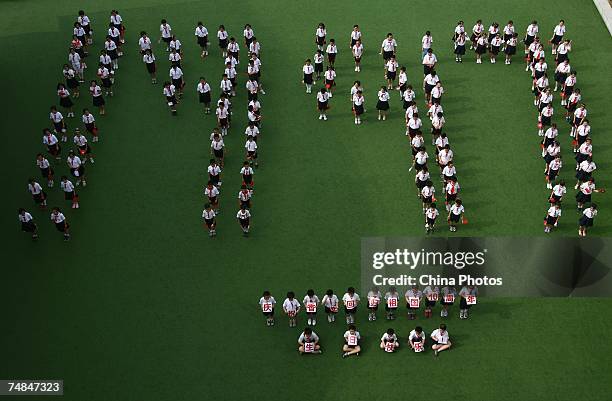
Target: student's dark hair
<point x="63" y="178"/>
<point x="458" y="201"/>
<point x="232" y="39"/>
<point x="21" y="210"/>
<point x="390" y="331"/>
<point x="246" y="163"/>
<point x="428" y="183"/>
<point x="418" y="329"/>
<point x="439" y="114"/>
<point x="433" y="205"/>
<point x="163" y="21"/>
<point x="389" y="34"/>
<point x="443" y="326"/>
<point x="428" y="33"/>
<point x="430" y="50"/>
<point x="355" y="26"/>
<point x="308" y="331"/>
<point x="290" y="294"/>
<point x="534" y="22"/>
<point x="510" y="22"/>
<point x="329" y="292"/>
<point x="310" y="293"/>
<point x="266" y="293"/>
<point x="30" y="179"/>
<point x="221" y="26"/>
<point x="594" y="205"/>
<point x="352" y="327"/>
<point x="81" y="12"/>
<point x="207" y="206"/>
<point x="350" y="290"/>
<point x="479" y="21"/>
<point x="209" y="182"/>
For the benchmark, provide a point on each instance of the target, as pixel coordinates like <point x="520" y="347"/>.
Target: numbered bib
<point x="309" y="347"/>
<point x="433" y="296"/>
<point x="350" y="304"/>
<point x="351" y="340"/>
<point x="333" y="308"/>
<point x="266" y="307"/>
<point x="418" y="347"/>
<point x="392" y="302"/>
<point x="390" y="346"/>
<point x="373" y="302"/>
<point x="414" y="302"/>
<point x="291" y="313"/>
<point x="449" y="298"/>
<point x="311" y="307"/>
<point x="470" y="300"/>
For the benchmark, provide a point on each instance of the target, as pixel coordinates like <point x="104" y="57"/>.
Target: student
<point x="585" y="150"/>
<point x="318" y="64"/>
<point x="460" y="47"/>
<point x="586" y="220"/>
<point x="413" y="124"/>
<point x="429" y="82"/>
<point x="59" y="125"/>
<point x="477" y="32"/>
<point x="441" y="340"/>
<point x="203" y="89"/>
<point x="416" y="144"/>
<point x="420" y="159"/>
<point x="311" y="301"/>
<point x="438" y="138"/>
<point x="413" y="298"/>
<point x="64" y="99"/>
<point x="459" y="29"/>
<point x="252" y="130"/>
<point x="248" y="34"/>
<point x="308" y="342"/>
<point x="165" y="31"/>
<point x="466" y="292"/>
<point x="421" y="179"/>
<point x="585" y="171"/>
<point x="107" y="79"/>
<point x="210" y="221"/>
<point x="244" y="197"/>
<point x="552" y="217"/>
<point x="358" y="106"/>
<point x="322" y="103"/>
<point x="222" y="114"/>
<point x="251" y="151"/>
<point x="176" y="74"/>
<point x="112" y="52"/>
<point x="39" y="196"/>
<point x="427" y="195"/>
<point x="254" y="47"/>
<point x="169" y="92"/>
<point x="417" y="339"/>
<point x="332" y="52"/>
<point x="558" y="191"/>
<point x="429" y="62"/>
<point x="144" y="43"/>
<point x="233" y="49"/>
<point x="222" y="35"/>
<point x="77" y="168"/>
<point x="351" y="342"/>
<point x="69" y="192"/>
<point x="266" y="303"/>
<point x="217" y="148"/>
<point x="97" y="96"/>
<point x="431" y="214"/>
<point x="455" y="214"/>
<point x="355" y="36"/>
<point x="214" y="173"/>
<point x="508" y="31"/>
<point x="510" y="49"/>
<point x="436" y="93"/>
<point x="175" y="58"/>
<point x="330" y="302"/>
<point x="350" y="300"/>
<point x="149" y="60"/>
<point x="85" y="23"/>
<point x="496" y="43"/>
<point x="481" y="47"/>
<point x="581" y="136"/>
<point x="448" y="295"/>
<point x="562" y="51"/>
<point x="562" y="71"/>
<point x="244" y="219"/>
<point x="320" y="35"/>
<point x="449" y="172"/>
<point x="585" y="191"/>
<point x="402" y="81"/>
<point x="61" y="224"/>
<point x="388" y="341"/>
<point x="71" y="81"/>
<point x="557" y="37"/>
<point x="211" y="192"/>
<point x="117" y="22"/>
<point x="83" y="146"/>
<point x="227" y="88"/>
<point x="391" y="72"/>
<point x="247" y="175"/>
<point x="27" y="223"/>
<point x="46" y="171"/>
<point x="373" y="302"/>
<point x="52" y="143"/>
<point x="552" y="170"/>
<point x="330" y="79"/>
<point x="308" y="71"/>
<point x="291" y="307"/>
<point x="201" y="34"/>
<point x="545" y="118"/>
<point x="391" y="303"/>
<point x="530" y="35"/>
<point x="579" y="115"/>
<point x="388" y="48"/>
<point x="426" y="42"/>
<point x="77" y="65"/>
<point x="408" y="99"/>
<point x="252" y="88"/>
<point x="357" y="50"/>
<point x="431" y="295"/>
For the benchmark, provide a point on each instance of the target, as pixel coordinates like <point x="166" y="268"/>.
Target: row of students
<point x="415" y="301"/>
<point x="310" y="343"/>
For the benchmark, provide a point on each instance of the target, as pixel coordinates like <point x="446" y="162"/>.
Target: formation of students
<point x="415" y="301"/>
<point x="396" y="78"/>
<point x="58" y="133"/>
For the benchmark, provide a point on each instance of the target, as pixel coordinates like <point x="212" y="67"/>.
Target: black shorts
<point x="454" y="217"/>
<point x="98" y="101"/>
<point x="460" y="50"/>
<point x="331" y="57"/>
<point x="583" y="198"/>
<point x="28" y="227"/>
<point x="428" y="88"/>
<point x="427" y="69"/>
<point x="320" y="40"/>
<point x="223" y="43"/>
<point x="178" y="83"/>
<point x="244" y="222"/>
<point x="585" y="221"/>
<point x="550" y="221"/>
<point x="391" y="75"/>
<point x="69" y="195"/>
<point x="329" y="311"/>
<point x="223" y="122"/>
<point x="247" y="179"/>
<point x="209" y="222"/>
<point x="72" y="83"/>
<point x="65" y="102"/>
<point x="387" y="55"/>
<point x="167" y="40"/>
<point x="308" y="79"/>
<point x="322" y="106"/>
<point x="350" y="311"/>
<point x="151" y="68"/>
<point x="218" y="153"/>
<point x="481" y="49"/>
<point x="204" y="97"/>
<point x="203" y="41"/>
<point x="358" y="109"/>
<point x="552" y="174"/>
<point x="495" y="50"/>
<point x="318" y="67"/>
<point x="61" y="227"/>
<point x="269" y="314"/>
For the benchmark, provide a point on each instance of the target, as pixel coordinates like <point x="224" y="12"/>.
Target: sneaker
<point x="436" y="353"/>
<point x="314" y="322"/>
<point x="310" y="322"/>
<point x="320" y="116"/>
<point x="329" y="319"/>
<point x="344" y="355"/>
<point x="325" y="117"/>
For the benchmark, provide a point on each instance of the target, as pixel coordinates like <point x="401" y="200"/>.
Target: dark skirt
<point x="151" y="68"/>
<point x="205" y="97"/>
<point x="28" y="227"/>
<point x="582" y="197"/>
<point x="481" y="49"/>
<point x="72" y="83"/>
<point x="98" y="101"/>
<point x="223" y="43"/>
<point x="585" y="221"/>
<point x="308" y="79"/>
<point x="322" y="105"/>
<point x="495" y="50"/>
<point x="382" y="105"/>
<point x="510" y="50"/>
<point x="391" y="75"/>
<point x="358" y="109"/>
<point x="318" y="67"/>
<point x="66" y="102"/>
<point x="460" y="50"/>
<point x="203" y="41"/>
<point x="68" y="195"/>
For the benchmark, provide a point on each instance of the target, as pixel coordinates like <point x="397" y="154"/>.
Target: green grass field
<point x="130" y="308"/>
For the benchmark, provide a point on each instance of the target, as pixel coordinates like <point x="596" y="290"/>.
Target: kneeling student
<point x="308" y="342"/>
<point x="441" y="340"/>
<point x="416" y="339"/>
<point x="351" y="342"/>
<point x="388" y="341"/>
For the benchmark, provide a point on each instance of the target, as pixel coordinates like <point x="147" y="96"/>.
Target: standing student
<point x="176" y="74"/>
<point x="459" y="29"/>
<point x="438" y="138"/>
<point x="391" y="71"/>
<point x="69" y="192"/>
<point x="460" y="47"/>
<point x="149" y="60"/>
<point x="585" y="171"/>
<point x="579" y="115"/>
<point x="27" y="223"/>
<point x="165" y="33"/>
<point x="308" y="71"/>
<point x="481" y="47"/>
<point x="510" y="49"/>
<point x="247" y="175"/>
<point x="77" y="168"/>
<point x="586" y="220"/>
<point x="254" y="47"/>
<point x="585" y="150"/>
<point x="350" y="300"/>
<point x="233" y="48"/>
<point x="530" y="35"/>
<point x="358" y="106"/>
<point x="248" y="34"/>
<point x="332" y="52"/>
<point x="557" y="37"/>
<point x="222" y="35"/>
<point x="318" y="64"/>
<point x="558" y="191"/>
<point x="71" y="81"/>
<point x="222" y="114"/>
<point x="226" y="86"/>
<point x="413" y="298"/>
<point x="562" y="51"/>
<point x="408" y="100"/>
<point x="267" y="303"/>
<point x="496" y="43"/>
<point x="252" y="130"/>
<point x="436" y="93"/>
<point x="117" y="22"/>
<point x="429" y="82"/>
<point x="244" y="197"/>
<point x="388" y="341"/>
<point x="322" y="103"/>
<point x="545" y="118"/>
<point x="391" y="303"/>
<point x="452" y="191"/>
<point x="52" y="143"/>
<point x="431" y="214"/>
<point x="383" y="103"/>
<point x="448" y="293"/>
<point x="112" y="52"/>
<point x="320" y="35"/>
<point x="214" y="173"/>
<point x="311" y="301"/>
<point x="552" y="217"/>
<point x="38" y="195"/>
<point x="464" y="294"/>
<point x="456" y="214"/>
<point x="508" y="31"/>
<point x="105" y="59"/>
<point x="209" y="216"/>
<point x="561" y="73"/>
<point x="169" y="92"/>
<point x="441" y="339"/>
<point x="373" y="302"/>
<point x="585" y="192"/>
<point x="308" y="342"/>
<point x="426" y="42"/>
<point x="417" y="339"/>
<point x="75" y="62"/>
<point x="355" y="37"/>
<point x="59" y="125"/>
<point x="83" y="146"/>
<point x="46" y="171"/>
<point x="477" y="32"/>
<point x="351" y="342"/>
<point x="421" y="179"/>
<point x="429" y="62"/>
<point x="420" y="159"/>
<point x="357" y="50"/>
<point x="244" y="219"/>
<point x="212" y="194"/>
<point x="217" y="148"/>
<point x="251" y="151"/>
<point x="176" y="45"/>
<point x="388" y="48"/>
<point x="64" y="99"/>
<point x="252" y="89"/>
<point x="449" y="172"/>
<point x="97" y="97"/>
<point x="230" y="72"/>
<point x="144" y="43"/>
<point x="552" y="170"/>
<point x="106" y="77"/>
<point x="427" y="195"/>
<point x="402" y="81"/>
<point x="330" y="79"/>
<point x="61" y="224"/>
<point x="175" y="58"/>
<point x="330" y="302"/>
<point x="201" y="34"/>
<point x="291" y="307"/>
<point x="85" y="23"/>
<point x="431" y="295"/>
<point x="203" y="89"/>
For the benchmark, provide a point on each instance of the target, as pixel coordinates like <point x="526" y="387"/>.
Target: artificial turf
<point x="141" y="304"/>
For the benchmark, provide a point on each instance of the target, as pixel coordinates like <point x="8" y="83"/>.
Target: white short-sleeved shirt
<point x="25" y="217"/>
<point x="559" y="30"/>
<point x="441" y="337"/>
<point x="165" y="30"/>
<point x="389" y="45"/>
<point x="457" y="210"/>
<point x="347" y="299"/>
<point x="291" y="305"/>
<point x="201" y="31"/>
